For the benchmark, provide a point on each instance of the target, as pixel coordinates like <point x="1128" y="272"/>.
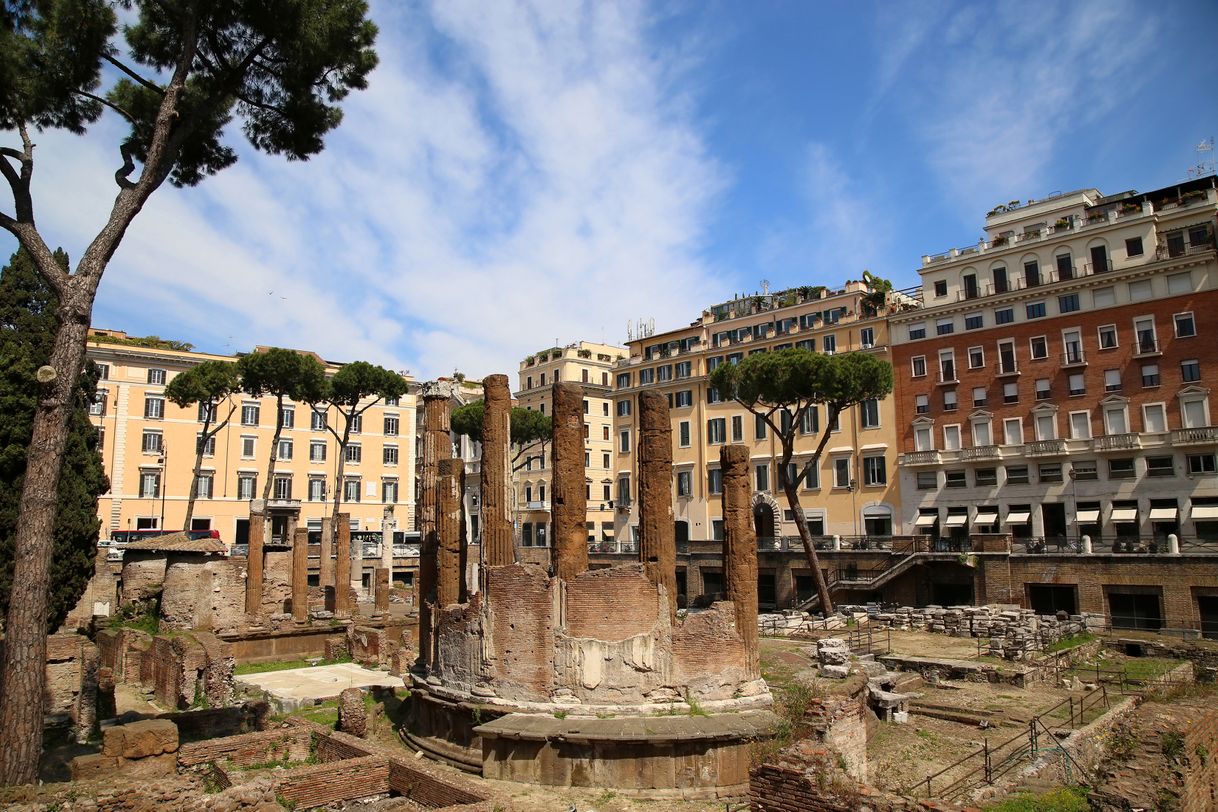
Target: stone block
<point x="149" y="767"/>
<point x="352" y="715"/>
<point x="94" y="765"/>
<point x="113" y="741"/>
<point x="149" y="737"/>
<point x="834" y="671"/>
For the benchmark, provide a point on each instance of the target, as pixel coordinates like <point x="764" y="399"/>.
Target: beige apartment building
<point x="148" y="447"/>
<point x="853" y="490"/>
<point x="592" y="365"/>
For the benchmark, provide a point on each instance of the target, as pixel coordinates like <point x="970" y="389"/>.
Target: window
<point x="940" y="287"/>
<point x="1154" y="417"/>
<point x="623" y="378"/>
<point x="714" y="481"/>
<point x="923" y="439"/>
<point x="949" y="400"/>
<point x="317" y="451"/>
<point x="1068" y="303"/>
<point x="738" y="427"/>
<point x="1150" y="375"/>
<point x="285" y="450"/>
<point x="870" y="412"/>
<point x="1103" y="297"/>
<point x="874" y="471"/>
<point x="951" y="438"/>
<point x="318" y="421"/>
<point x="543" y="379"/>
<point x="1035" y="310"/>
<point x="1046" y="427"/>
<point x="317" y="489"/>
<point x="685" y="398"/>
<point x="684" y="369"/>
<point x="389" y="491"/>
<point x="976" y="357"/>
<point x="1160" y="466"/>
<point x="759" y="427"/>
<point x="288" y="416"/>
<point x="684" y="483"/>
<point x="156" y="377"/>
<point x="986" y="476"/>
<point x="150" y="484"/>
<point x="1185" y="326"/>
<point x="154" y="408"/>
<point x="917" y="331"/>
<point x="1050" y="472"/>
<point x="1004" y="316"/>
<point x="682" y="434"/>
<point x="974" y="322"/>
<point x="811" y="476"/>
<point x="1010" y="392"/>
<point x="389" y="455"/>
<point x="1072" y="341"/>
<point x="1017" y="474"/>
<point x="1112" y="380"/>
<point x="955" y="479"/>
<point x="354" y="453"/>
<point x="1202" y="464"/>
<point x="1190" y="370"/>
<point x="1141" y="291"/>
<point x="762" y="476"/>
<point x="207" y="412"/>
<point x="918" y="363"/>
<point x="1115" y="421"/>
<point x="605" y="463"/>
<point x="391" y="425"/>
<point x="1121" y="469"/>
<point x="713" y="396"/>
<point x="810" y="422"/>
<point x="247" y="486"/>
<point x="1144" y="329"/>
<point x="249" y="414"/>
<point x="665" y="373"/>
<point x="1001" y="284"/>
<point x="921" y="404"/>
<point x="1007" y="364"/>
<point x="1177" y="283"/>
<point x="970" y="285"/>
<point x="1043" y="390"/>
<point x="249" y="447"/>
<point x="1099" y="259"/>
<point x="604" y="432"/>
<point x="716" y="431"/>
<point x="1194" y="411"/>
<point x="1031" y="274"/>
<point x="357" y="424"/>
<point x="1039" y="346"/>
<point x="980" y="397"/>
<point x="151" y="442"/>
<point x="947" y="365"/>
<point x="1108" y="336"/>
<point x="1133" y="247"/>
<point x="1065" y="266"/>
<point x="841" y="472"/>
<point x="623" y="442"/>
<point x="209" y="445"/>
<point x="867" y="337"/>
<point x="351" y="490"/>
<point x="981" y="431"/>
<point x="945" y="327"/>
<point x="647" y="376"/>
<point x="1078" y="385"/>
<point x="1012" y="431"/>
<point x="927" y="480"/>
<point x="203" y="489"/>
<point x="103" y="371"/>
<point x="282" y="489"/>
<point x="623" y="407"/>
<point x="97" y="407"/>
<point x="829" y="345"/>
<point x="1086" y="470"/>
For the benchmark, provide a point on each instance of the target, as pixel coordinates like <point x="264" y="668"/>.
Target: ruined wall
<point x="276" y="582"/>
<point x="186" y="669"/>
<point x="709" y="656"/>
<point x="205" y="593"/>
<point x="71" y="687"/>
<point x="459" y="641"/>
<point x="520" y="612"/>
<point x="143" y="575"/>
<point x="101" y="593"/>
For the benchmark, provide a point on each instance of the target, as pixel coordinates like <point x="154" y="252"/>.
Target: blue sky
<point x="521" y="173"/>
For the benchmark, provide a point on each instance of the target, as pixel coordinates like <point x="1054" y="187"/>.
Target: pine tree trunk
<point x="338" y="482"/>
<point x="200" y="444"/>
<point x="270" y="465"/>
<point x="23" y="671"/>
<point x="801" y="522"/>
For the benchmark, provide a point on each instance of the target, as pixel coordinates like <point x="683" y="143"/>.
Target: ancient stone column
<point x="253" y="564"/>
<point x="658" y="542"/>
<point x="740" y="549"/>
<point x="437" y="445"/>
<point x="497" y="546"/>
<point x="569" y="497"/>
<point x="300" y="575"/>
<point x="382" y="591"/>
<point x="388" y="526"/>
<point x="326" y="573"/>
<point x="342" y="575"/>
<point x="451" y="578"/>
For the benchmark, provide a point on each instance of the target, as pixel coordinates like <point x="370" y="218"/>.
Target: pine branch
<point x="150" y="85"/>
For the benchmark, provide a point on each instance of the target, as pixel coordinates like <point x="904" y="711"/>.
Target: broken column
<point x="569" y="499"/>
<point x="382" y="591"/>
<point x="342" y="574"/>
<point x="451" y="582"/>
<point x="300" y="575"/>
<point x="253" y="563"/>
<point x="437" y="445"/>
<point x="497" y="543"/>
<point x="657" y="543"/>
<point x="740" y="549"/>
<point x="388" y="526"/>
<point x="326" y="572"/>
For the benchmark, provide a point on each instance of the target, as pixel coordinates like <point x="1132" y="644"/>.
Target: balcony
<point x="1045" y="448"/>
<point x="1117" y="442"/>
<point x="1146" y="347"/>
<point x="536" y="505"/>
<point x="1007" y="370"/>
<point x="919" y="458"/>
<point x="981" y="452"/>
<point x="1074" y="357"/>
<point x="1206" y="435"/>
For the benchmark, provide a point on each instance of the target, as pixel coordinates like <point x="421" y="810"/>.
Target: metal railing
<point x="610" y="547"/>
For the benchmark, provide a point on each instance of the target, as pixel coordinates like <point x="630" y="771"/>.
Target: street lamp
<point x="163" y="461"/>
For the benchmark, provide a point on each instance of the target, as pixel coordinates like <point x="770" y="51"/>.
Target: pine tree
<point x="27" y="330"/>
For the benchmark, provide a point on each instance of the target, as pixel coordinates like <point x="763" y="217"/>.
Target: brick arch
<point x="767" y="500"/>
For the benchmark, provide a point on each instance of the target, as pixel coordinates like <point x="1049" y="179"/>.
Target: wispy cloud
<point x="516" y="172"/>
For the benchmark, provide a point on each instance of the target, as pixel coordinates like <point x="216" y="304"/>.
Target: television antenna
<point x="1205" y="159"/>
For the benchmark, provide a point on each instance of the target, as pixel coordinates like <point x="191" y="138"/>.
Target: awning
<point x="986" y="516"/>
<point x="956" y="520"/>
<point x="1125" y="515"/>
<point x="1164" y="514"/>
<point x="1088" y="517"/>
<point x="1204" y="513"/>
<point x="1019" y="517"/>
<point x="926" y="520"/>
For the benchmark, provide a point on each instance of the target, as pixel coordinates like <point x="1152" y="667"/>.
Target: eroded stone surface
<point x="342" y="568"/>
<point x="437" y="445"/>
<point x="352" y="715"/>
<point x="497" y="544"/>
<point x="569" y="499"/>
<point x="300" y="575"/>
<point x="657" y="544"/>
<point x="740" y="548"/>
<point x="448" y="588"/>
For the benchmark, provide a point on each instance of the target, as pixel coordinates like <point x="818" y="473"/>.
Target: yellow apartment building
<point x="148" y="447"/>
<point x="852" y="492"/>
<point x="592" y="365"/>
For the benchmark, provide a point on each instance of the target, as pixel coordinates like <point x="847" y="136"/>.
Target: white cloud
<point x="516" y="172"/>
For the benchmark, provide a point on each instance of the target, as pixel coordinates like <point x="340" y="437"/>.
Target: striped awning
<point x="1088" y="516"/>
<point x="1124" y="515"/>
<point x="1164" y="514"/>
<point x="926" y="520"/>
<point x="1019" y="517"/>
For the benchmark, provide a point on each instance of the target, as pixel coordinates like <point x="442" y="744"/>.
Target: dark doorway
<point x="805" y="587"/>
<point x="1207" y="606"/>
<point x="943" y="594"/>
<point x="242" y="533"/>
<point x="767" y="592"/>
<point x="1053" y="514"/>
<point x="763" y="520"/>
<point x="682" y="587"/>
<point x="682" y="532"/>
<point x="1135" y="610"/>
<point x="1049" y="599"/>
<point x="712" y="582"/>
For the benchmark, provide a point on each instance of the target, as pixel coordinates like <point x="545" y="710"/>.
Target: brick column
<point x="497" y="542"/>
<point x="342" y="574"/>
<point x="569" y="497"/>
<point x="326" y="573"/>
<point x="740" y="549"/>
<point x="437" y="445"/>
<point x="300" y="575"/>
<point x="253" y="564"/>
<point x="657" y="542"/>
<point x="451" y="578"/>
<point x="382" y="591"/>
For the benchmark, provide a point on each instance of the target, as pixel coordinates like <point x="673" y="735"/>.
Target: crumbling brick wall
<point x="708" y="655"/>
<point x="185" y="669"/>
<point x="249" y="748"/>
<point x="521" y="629"/>
<point x="143" y="576"/>
<point x="203" y="594"/>
<point x="71" y="687"/>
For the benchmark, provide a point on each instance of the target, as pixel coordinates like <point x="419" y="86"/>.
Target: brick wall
<point x="249" y="748"/>
<point x="308" y="787"/>
<point x="708" y="656"/>
<point x="521" y="630"/>
<point x="612" y="604"/>
<point x="426" y="789"/>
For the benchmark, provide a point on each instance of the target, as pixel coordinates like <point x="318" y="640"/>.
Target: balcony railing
<point x="1074" y="357"/>
<point x="1044" y="448"/>
<point x="1117" y="442"/>
<point x="981" y="452"/>
<point x="1206" y="435"/>
<point x="611" y="547"/>
<point x="919" y="458"/>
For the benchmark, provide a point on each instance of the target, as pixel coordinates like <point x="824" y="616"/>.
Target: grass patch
<point x="285" y="665"/>
<point x="1064" y="799"/>
<point x="1073" y="641"/>
<point x="791" y="703"/>
<point x="142" y="616"/>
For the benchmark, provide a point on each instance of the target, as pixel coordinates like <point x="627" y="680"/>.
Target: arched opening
<point x="763" y="520"/>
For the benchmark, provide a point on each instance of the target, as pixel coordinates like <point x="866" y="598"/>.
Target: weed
<point x="607" y="715"/>
<point x="1063" y="799"/>
<point x="1171" y="742"/>
<point x="695" y="709"/>
<point x="560" y="714"/>
<point x="1073" y="641"/>
<point x="1203" y="754"/>
<point x="284" y="802"/>
<point x="604" y="798"/>
<point x="476" y="716"/>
